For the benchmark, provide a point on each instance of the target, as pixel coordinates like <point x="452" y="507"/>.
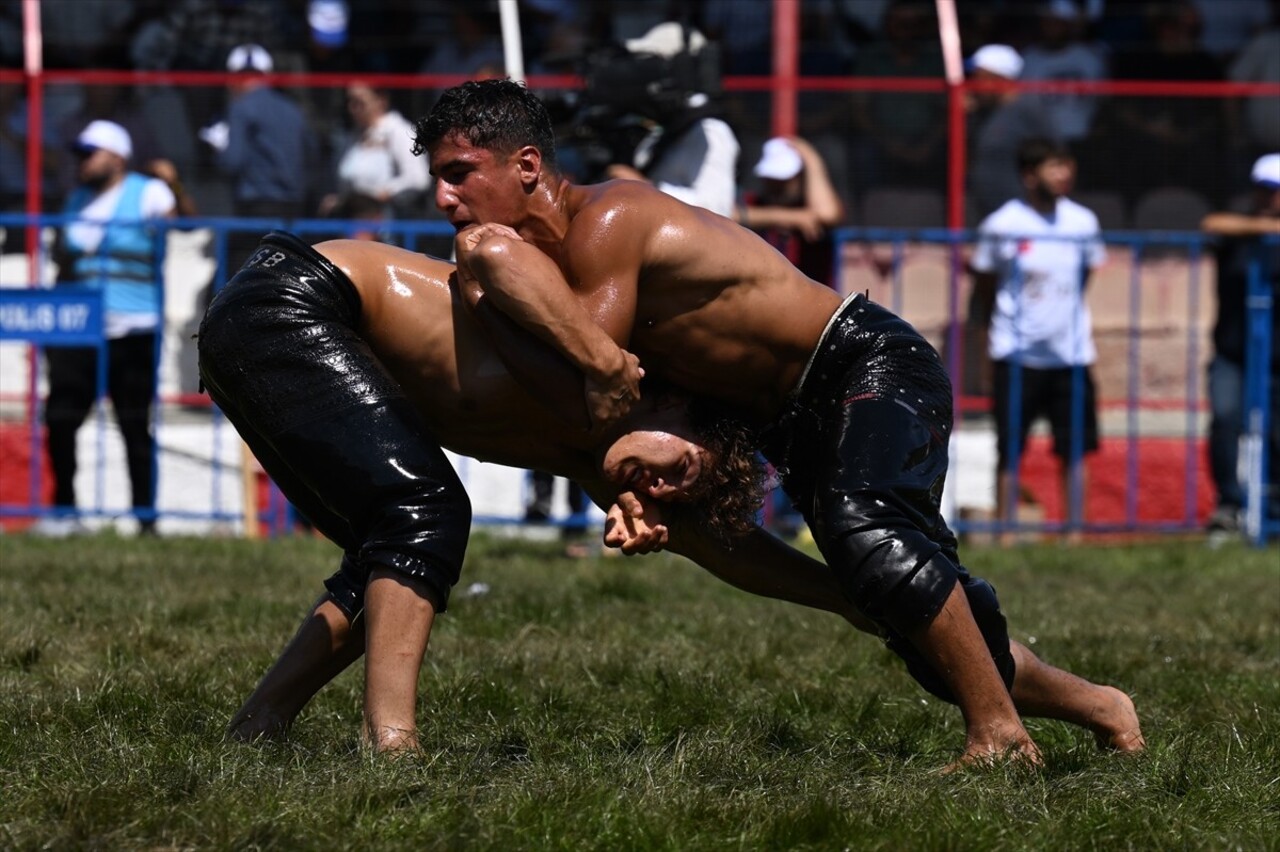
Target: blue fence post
<point x="160" y="252"/>
<point x="1073" y="511"/>
<point x="1013" y="421"/>
<point x="1259" y="304"/>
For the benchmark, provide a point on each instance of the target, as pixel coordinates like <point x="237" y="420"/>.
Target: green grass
<point x="620" y="704"/>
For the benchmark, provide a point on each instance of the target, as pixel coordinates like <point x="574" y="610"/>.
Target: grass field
<point x="621" y="704"/>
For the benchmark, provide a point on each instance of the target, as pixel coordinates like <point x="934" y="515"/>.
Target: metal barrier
<point x="889" y="284"/>
<point x="59" y="317"/>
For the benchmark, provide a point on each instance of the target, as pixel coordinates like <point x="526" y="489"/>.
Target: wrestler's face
<point x="476" y="186"/>
<point x="657" y="455"/>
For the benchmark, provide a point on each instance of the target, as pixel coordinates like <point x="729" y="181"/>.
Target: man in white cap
<point x="264" y="146"/>
<point x="1238" y="249"/>
<point x="796" y="207"/>
<point x="108" y="245"/>
<point x="1003" y="120"/>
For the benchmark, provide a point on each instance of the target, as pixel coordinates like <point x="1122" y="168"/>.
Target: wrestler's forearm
<point x="527" y="286"/>
<point x="544" y="373"/>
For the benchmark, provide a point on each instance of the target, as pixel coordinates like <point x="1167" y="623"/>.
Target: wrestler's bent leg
<point x="877" y="523"/>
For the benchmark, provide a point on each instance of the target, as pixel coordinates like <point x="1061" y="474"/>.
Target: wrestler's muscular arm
<point x="585" y="314"/>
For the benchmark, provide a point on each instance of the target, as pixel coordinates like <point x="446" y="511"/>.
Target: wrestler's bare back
<point x="718" y="310"/>
<point x="419" y="329"/>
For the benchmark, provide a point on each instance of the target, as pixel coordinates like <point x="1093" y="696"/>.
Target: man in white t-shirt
<point x="110" y="246"/>
<point x="1033" y="258"/>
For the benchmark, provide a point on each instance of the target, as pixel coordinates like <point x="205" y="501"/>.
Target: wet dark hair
<point x="497" y="115"/>
<point x="728" y="493"/>
<point x="1036" y="151"/>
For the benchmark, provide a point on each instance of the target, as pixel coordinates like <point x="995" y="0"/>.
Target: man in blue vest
<point x="109" y="245"/>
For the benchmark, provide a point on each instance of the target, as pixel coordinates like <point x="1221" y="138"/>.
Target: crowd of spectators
<point x="1128" y="145"/>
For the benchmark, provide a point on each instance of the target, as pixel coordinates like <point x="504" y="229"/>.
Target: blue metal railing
<point x="1261" y="394"/>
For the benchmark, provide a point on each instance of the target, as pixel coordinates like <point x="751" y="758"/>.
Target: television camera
<point x="629" y="97"/>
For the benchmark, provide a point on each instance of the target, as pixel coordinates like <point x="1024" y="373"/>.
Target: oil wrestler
<point x="853" y="405"/>
<point x="346" y="368"/>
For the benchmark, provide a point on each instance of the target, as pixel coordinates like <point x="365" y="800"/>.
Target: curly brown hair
<point x="730" y="490"/>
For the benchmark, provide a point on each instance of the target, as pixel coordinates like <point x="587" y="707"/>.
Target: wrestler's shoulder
<point x="620" y="201"/>
<point x="621" y="193"/>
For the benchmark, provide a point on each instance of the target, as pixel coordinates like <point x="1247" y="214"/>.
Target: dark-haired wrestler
<point x="346" y="368"/>
<point x="855" y="405"/>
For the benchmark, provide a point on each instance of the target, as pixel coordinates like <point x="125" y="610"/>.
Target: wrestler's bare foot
<point x="1116" y="726"/>
<point x="1013" y="747"/>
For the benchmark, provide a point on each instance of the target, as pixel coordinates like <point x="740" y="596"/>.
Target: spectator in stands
<point x="1229" y="24"/>
<point x="476" y="43"/>
<point x="548" y="25"/>
<point x="264" y="146"/>
<point x="1033" y="259"/>
<point x="902" y="134"/>
<point x="111" y="103"/>
<point x="378" y="176"/>
<point x="10" y="36"/>
<point x="328" y="30"/>
<point x="1166" y="140"/>
<point x="1259" y="62"/>
<point x="1058" y="54"/>
<point x="691" y="155"/>
<point x="1004" y="119"/>
<point x="743" y="29"/>
<point x="1237" y="248"/>
<point x="107" y="248"/>
<point x="76" y="34"/>
<point x="796" y="207"/>
<point x="198" y="34"/>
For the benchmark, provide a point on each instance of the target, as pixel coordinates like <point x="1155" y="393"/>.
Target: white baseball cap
<point x="1266" y="171"/>
<point x="667" y="39"/>
<point x="329" y="20"/>
<point x="999" y="59"/>
<point x="106" y="135"/>
<point x="249" y="57"/>
<point x="780" y="160"/>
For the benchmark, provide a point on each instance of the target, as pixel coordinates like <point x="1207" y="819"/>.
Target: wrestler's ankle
<point x="1116" y="725"/>
<point x="391" y="738"/>
<point x="998" y="737"/>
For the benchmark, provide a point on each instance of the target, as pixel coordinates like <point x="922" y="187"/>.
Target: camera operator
<point x="688" y="152"/>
